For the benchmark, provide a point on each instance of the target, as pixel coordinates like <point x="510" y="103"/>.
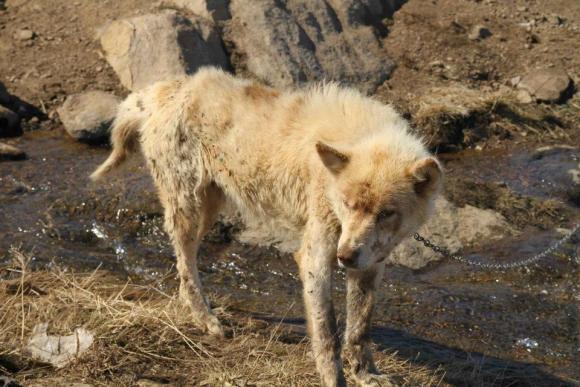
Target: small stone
<point x="437" y="63"/>
<point x="88" y="116"/>
<point x="479" y="32"/>
<point x="10" y="152"/>
<point x="522" y="8"/>
<point x="24" y="35"/>
<point x="548" y="85"/>
<point x="524" y="97"/>
<point x="533" y="39"/>
<point x="515" y="80"/>
<point x="146" y="382"/>
<point x="9" y="123"/>
<point x="555" y="20"/>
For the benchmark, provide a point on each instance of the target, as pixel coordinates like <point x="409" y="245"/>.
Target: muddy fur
<point x="336" y="170"/>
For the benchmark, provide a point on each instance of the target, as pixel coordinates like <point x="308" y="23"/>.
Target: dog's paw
<point x="367" y="379"/>
<point x="214" y="327"/>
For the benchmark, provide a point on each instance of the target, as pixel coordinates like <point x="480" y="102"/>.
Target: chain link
<point x="496" y="265"/>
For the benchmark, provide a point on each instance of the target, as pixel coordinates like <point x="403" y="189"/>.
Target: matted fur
<point x="336" y="170"/>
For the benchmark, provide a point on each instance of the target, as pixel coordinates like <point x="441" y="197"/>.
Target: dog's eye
<point x="385" y="214"/>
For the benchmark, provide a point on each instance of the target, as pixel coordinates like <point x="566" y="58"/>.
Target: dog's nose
<point x="348" y="257"/>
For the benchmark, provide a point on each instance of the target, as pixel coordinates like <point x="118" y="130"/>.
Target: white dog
<point x="338" y="170"/>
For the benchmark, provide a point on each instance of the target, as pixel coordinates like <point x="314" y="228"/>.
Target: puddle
<point x="543" y="172"/>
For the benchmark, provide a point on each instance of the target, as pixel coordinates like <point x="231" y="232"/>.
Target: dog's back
<point x="254" y="142"/>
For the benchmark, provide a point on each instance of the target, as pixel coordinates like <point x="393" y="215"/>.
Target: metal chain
<point x="497" y="266"/>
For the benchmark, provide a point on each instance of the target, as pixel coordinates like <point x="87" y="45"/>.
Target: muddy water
<point x="505" y="325"/>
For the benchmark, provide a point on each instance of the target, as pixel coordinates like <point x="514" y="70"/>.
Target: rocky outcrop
<point x="154" y="47"/>
<point x="452" y="227"/>
<point x="296" y="41"/>
<point x="4" y="95"/>
<point x="210" y="9"/>
<point x="9" y="123"/>
<point x="88" y="116"/>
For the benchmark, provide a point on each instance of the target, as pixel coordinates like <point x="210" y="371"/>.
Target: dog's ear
<point x="427" y="176"/>
<point x="334" y="160"/>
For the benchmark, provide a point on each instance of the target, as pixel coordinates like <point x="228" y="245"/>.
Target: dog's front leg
<point x="360" y="300"/>
<point x="315" y="261"/>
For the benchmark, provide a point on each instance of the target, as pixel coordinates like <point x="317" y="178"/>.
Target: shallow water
<point x="522" y="319"/>
<point x="537" y="171"/>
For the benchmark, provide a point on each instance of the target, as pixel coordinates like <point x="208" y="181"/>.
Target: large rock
<point x="547" y="85"/>
<point x="288" y="43"/>
<point x="149" y="48"/>
<point x="4" y="96"/>
<point x="209" y="9"/>
<point x="9" y="123"/>
<point x="454" y="228"/>
<point x="88" y="116"/>
<point x="451" y="226"/>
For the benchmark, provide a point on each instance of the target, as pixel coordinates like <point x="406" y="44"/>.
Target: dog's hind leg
<point x="187" y="222"/>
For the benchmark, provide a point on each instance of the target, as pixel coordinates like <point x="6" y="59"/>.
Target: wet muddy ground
<point x="497" y="323"/>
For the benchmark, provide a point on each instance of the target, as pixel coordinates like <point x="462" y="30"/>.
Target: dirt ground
<point x="442" y="326"/>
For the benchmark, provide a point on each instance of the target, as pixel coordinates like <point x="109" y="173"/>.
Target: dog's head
<point x="380" y="194"/>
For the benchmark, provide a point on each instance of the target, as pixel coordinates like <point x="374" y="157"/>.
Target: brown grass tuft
<point x="458" y="116"/>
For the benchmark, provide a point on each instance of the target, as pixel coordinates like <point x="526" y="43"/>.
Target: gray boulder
<point x="4" y="95"/>
<point x="297" y="41"/>
<point x="88" y="116"/>
<point x="451" y="226"/>
<point x="548" y="85"/>
<point x="153" y="47"/>
<point x="454" y="228"/>
<point x="9" y="123"/>
<point x="210" y="9"/>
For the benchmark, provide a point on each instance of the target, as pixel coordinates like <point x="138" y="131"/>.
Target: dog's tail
<point x="124" y="138"/>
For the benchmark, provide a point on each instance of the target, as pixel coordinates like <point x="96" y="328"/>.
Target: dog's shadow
<point x="460" y="368"/>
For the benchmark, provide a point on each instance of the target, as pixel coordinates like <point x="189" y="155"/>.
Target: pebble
<point x="555" y="20"/>
<point x="10" y="152"/>
<point x="479" y="32"/>
<point x="515" y="80"/>
<point x="524" y="97"/>
<point x="24" y="35"/>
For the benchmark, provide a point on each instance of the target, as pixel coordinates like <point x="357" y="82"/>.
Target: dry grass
<point x="141" y="332"/>
<point x="456" y="115"/>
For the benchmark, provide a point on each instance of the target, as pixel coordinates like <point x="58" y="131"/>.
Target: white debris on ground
<point x="57" y="350"/>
